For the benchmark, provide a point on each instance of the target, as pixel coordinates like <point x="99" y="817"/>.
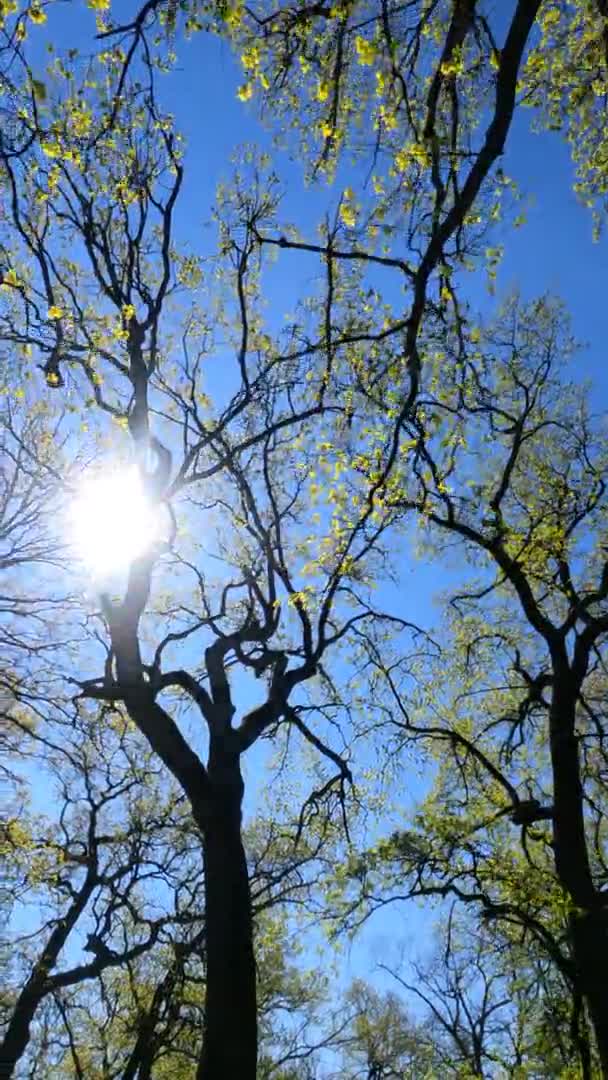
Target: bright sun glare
<point x="112" y="521"/>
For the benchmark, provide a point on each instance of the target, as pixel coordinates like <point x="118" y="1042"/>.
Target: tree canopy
<point x="235" y="734"/>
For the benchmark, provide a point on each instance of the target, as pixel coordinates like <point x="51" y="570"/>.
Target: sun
<point x="112" y="522"/>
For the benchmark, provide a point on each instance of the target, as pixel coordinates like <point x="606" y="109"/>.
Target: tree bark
<point x="589" y="932"/>
<point x="589" y="921"/>
<point x="38" y="985"/>
<point x="215" y="794"/>
<point x="230" y="1027"/>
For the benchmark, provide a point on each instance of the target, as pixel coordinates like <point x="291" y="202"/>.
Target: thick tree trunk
<point x="589" y="931"/>
<point x="215" y="793"/>
<point x="230" y="1032"/>
<point x="589" y="923"/>
<point x="18" y="1031"/>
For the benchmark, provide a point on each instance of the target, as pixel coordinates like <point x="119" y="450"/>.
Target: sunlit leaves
<point x="566" y="77"/>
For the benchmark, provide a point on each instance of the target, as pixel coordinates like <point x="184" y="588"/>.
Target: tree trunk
<point x="589" y="931"/>
<point x="39" y="984"/>
<point x="589" y="922"/>
<point x="230" y="1029"/>
<point x="18" y="1031"/>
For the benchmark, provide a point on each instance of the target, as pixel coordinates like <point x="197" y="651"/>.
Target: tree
<point x="105" y="862"/>
<point x="30" y="442"/>
<point x="19" y="91"/>
<point x="97" y="328"/>
<point x="335" y="70"/>
<point x="106" y="973"/>
<point x="384" y="1042"/>
<point x="480" y="1004"/>
<point x="330" y="72"/>
<point x="92" y="872"/>
<point x="124" y="323"/>
<point x="518" y="476"/>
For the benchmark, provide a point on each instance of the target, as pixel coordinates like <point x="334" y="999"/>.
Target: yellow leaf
<point x="245" y="92"/>
<point x="366" y="50"/>
<point x="10" y="279"/>
<point x="348" y="215"/>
